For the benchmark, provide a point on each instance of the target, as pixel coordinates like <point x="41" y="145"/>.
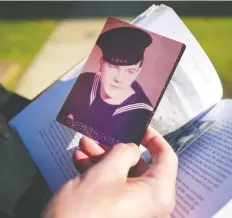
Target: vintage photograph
<point x="121" y="84"/>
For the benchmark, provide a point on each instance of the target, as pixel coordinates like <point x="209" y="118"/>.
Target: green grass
<point x="215" y="36"/>
<point x="20" y="41"/>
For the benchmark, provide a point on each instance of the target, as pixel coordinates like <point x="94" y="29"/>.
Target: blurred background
<point x="40" y="41"/>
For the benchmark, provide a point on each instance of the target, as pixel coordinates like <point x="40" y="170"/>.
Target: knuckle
<point x="120" y="147"/>
<point x="126" y="147"/>
<point x="164" y="202"/>
<point x="162" y="206"/>
<point x="167" y="205"/>
<point x="128" y="151"/>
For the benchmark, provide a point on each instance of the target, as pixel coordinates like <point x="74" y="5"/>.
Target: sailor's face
<point x="116" y="80"/>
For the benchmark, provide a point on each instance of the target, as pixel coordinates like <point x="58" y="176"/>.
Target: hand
<point x="105" y="191"/>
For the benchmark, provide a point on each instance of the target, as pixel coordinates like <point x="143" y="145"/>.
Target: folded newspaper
<point x="186" y="116"/>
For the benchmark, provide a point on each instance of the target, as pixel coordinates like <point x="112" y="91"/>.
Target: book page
<point x="195" y="85"/>
<point x="205" y="168"/>
<point x="50" y="143"/>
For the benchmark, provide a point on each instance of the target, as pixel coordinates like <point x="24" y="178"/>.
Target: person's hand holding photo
<point x="105" y="190"/>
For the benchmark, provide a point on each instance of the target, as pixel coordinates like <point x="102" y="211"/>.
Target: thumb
<point x="118" y="161"/>
<point x="164" y="159"/>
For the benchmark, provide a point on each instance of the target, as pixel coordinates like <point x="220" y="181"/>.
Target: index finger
<point x="164" y="160"/>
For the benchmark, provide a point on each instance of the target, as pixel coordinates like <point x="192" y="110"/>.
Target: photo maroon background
<point x="159" y="60"/>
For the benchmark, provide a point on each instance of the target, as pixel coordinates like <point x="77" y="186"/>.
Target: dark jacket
<point x="108" y="124"/>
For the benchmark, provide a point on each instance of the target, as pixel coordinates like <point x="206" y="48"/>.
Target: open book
<point x="191" y="116"/>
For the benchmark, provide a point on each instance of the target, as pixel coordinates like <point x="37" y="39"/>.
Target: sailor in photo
<point x="111" y="103"/>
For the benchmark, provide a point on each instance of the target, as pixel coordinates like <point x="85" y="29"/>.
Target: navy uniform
<point x="110" y="124"/>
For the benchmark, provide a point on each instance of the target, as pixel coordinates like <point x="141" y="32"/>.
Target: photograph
<point x="190" y="134"/>
<point x="123" y="80"/>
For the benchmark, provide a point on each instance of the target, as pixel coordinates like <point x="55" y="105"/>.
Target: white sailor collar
<point x="119" y="110"/>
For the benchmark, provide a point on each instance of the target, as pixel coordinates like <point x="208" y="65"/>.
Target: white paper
<point x="205" y="168"/>
<point x="195" y="85"/>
